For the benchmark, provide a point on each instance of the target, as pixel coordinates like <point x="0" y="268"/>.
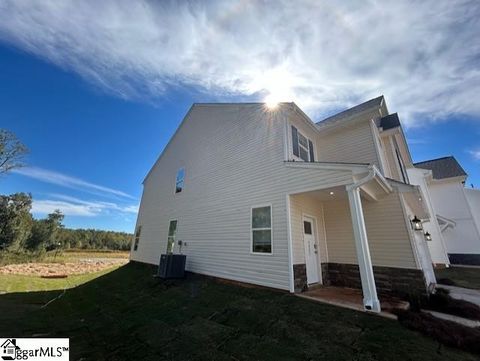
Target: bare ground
<point x="80" y="266"/>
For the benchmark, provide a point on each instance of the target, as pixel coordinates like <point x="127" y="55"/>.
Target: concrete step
<point x="456" y="319"/>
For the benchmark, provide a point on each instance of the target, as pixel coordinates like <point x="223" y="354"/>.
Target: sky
<point x="96" y="89"/>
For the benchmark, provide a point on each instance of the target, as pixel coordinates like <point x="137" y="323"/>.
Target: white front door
<point x="311" y="250"/>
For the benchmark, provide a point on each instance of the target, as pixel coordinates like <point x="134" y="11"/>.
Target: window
<point x="179" y="181"/>
<point x="307" y="227"/>
<point x="137" y="238"/>
<point x="262" y="229"/>
<point x="302" y="146"/>
<point x="402" y="167"/>
<point x="172" y="233"/>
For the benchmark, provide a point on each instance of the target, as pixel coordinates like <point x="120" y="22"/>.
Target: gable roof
<point x="372" y="103"/>
<point x="446" y="167"/>
<point x="390" y="121"/>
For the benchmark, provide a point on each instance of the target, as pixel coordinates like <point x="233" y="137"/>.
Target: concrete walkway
<point x="352" y="299"/>
<point x="461" y="293"/>
<point x="456" y="319"/>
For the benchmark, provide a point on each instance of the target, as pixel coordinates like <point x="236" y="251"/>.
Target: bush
<point x="11" y="257"/>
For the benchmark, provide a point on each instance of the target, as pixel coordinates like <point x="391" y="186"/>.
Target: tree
<point x="12" y="151"/>
<point x="45" y="232"/>
<point x="15" y="220"/>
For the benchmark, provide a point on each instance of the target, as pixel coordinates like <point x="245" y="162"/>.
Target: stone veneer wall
<point x="300" y="277"/>
<point x="400" y="282"/>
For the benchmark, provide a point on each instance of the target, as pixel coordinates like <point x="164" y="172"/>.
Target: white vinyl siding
<point x="353" y="144"/>
<point x="387" y="232"/>
<point x="243" y="167"/>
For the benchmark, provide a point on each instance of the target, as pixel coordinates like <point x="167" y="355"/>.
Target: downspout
<point x="370" y="298"/>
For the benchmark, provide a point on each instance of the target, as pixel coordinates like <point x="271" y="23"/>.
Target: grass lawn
<point x="468" y="277"/>
<point x="20" y="283"/>
<point x="127" y="314"/>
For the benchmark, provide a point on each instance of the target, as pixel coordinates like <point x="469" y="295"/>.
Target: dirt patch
<point x="60" y="269"/>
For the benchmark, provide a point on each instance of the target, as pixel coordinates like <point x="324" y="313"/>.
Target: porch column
<point x="370" y="299"/>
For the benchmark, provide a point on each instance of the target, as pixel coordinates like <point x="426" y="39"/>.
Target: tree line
<point x="19" y="231"/>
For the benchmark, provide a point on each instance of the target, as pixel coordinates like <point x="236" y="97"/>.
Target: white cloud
<point x="475" y="153"/>
<point x="71" y="206"/>
<point x="424" y="56"/>
<point x="63" y="180"/>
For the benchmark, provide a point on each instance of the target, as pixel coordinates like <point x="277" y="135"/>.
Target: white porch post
<point x="370" y="299"/>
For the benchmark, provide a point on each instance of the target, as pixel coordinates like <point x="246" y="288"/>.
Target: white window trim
<point x="308" y="144"/>
<point x="317" y="241"/>
<point x="261" y="229"/>
<point x="183" y="180"/>
<point x="135" y="243"/>
<point x="168" y="236"/>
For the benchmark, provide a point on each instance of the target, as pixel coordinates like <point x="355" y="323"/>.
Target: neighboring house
<point x="268" y="197"/>
<point x="456" y="209"/>
<point x="436" y="244"/>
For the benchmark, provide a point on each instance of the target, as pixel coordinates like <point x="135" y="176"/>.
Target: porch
<point x="355" y="237"/>
<point x="352" y="298"/>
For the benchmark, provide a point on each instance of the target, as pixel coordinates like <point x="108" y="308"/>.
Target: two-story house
<point x="455" y="210"/>
<point x="266" y="196"/>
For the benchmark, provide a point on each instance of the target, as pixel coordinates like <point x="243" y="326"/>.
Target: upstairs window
<point x="302" y="146"/>
<point x="137" y="238"/>
<point x="180" y="180"/>
<point x="262" y="229"/>
<point x="401" y="164"/>
<point x="172" y="235"/>
<point x="403" y="170"/>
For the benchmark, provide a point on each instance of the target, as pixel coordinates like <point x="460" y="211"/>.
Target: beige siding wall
<point x="386" y="229"/>
<point x="306" y="205"/>
<point x="352" y="144"/>
<point x="234" y="159"/>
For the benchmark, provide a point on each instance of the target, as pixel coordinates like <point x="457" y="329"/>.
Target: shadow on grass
<point x="127" y="314"/>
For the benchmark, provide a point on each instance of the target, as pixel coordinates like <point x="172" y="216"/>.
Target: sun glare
<point x="278" y="83"/>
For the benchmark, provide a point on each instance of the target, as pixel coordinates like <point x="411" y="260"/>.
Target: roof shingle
<point x="376" y="102"/>
<point x="446" y="167"/>
<point x="390" y="121"/>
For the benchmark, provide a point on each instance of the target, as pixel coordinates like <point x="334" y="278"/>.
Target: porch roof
<point x="373" y="188"/>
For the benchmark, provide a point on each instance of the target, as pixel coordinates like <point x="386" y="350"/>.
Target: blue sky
<point x="96" y="91"/>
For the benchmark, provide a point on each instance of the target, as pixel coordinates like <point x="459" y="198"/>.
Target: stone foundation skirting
<point x="464" y="259"/>
<point x="300" y="277"/>
<point x="401" y="282"/>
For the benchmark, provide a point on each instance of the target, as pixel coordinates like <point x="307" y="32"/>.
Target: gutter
<point x="373" y="173"/>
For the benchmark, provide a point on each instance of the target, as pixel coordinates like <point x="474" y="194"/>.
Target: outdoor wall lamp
<point x="416" y="224"/>
<point x="428" y="236"/>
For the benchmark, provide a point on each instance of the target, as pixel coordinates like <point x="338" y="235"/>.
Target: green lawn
<point x="128" y="315"/>
<point x="468" y="277"/>
<point x="20" y="283"/>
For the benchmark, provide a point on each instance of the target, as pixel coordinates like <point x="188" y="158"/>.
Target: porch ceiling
<point x="328" y="194"/>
